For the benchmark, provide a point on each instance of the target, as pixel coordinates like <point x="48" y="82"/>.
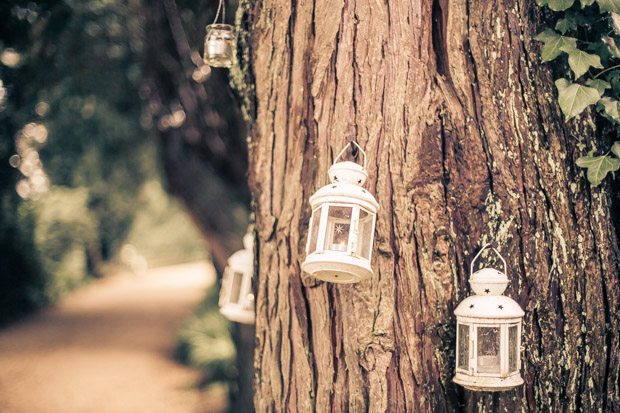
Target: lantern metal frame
<point x="240" y="308"/>
<point x="488" y="309"/>
<point x="347" y="261"/>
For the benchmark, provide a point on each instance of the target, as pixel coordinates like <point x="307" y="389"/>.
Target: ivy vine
<point x="588" y="33"/>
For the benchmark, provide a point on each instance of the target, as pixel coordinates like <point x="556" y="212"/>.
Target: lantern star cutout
<point x="339" y="229"/>
<point x="501" y="307"/>
<point x="486" y="290"/>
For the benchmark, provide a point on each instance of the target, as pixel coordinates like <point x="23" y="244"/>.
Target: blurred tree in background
<point x="88" y="91"/>
<point x="72" y="147"/>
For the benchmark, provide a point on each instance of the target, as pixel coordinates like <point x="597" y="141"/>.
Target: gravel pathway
<point x="106" y="348"/>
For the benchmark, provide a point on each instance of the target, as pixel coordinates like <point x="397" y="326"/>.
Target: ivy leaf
<point x="613" y="78"/>
<point x="574" y="98"/>
<point x="553" y="42"/>
<point x="559" y="5"/>
<point x="566" y="24"/>
<point x="615" y="20"/>
<point x="610" y="106"/>
<point x="580" y="61"/>
<point x="611" y="46"/>
<point x="598" y="84"/>
<point x="585" y="3"/>
<point x="609" y="5"/>
<point x="615" y="148"/>
<point x="598" y="167"/>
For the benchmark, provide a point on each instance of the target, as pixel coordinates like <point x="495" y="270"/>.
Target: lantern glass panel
<point x="488" y="350"/>
<point x="463" y="354"/>
<point x="314" y="231"/>
<point x="513" y="343"/>
<point x="219" y="45"/>
<point x="338" y="228"/>
<point x="365" y="234"/>
<point x="235" y="290"/>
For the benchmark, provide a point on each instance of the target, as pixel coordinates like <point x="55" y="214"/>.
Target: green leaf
<point x="580" y="61"/>
<point x="559" y="5"/>
<point x="615" y="22"/>
<point x="613" y="77"/>
<point x="574" y="98"/>
<point x="598" y="167"/>
<point x="563" y="25"/>
<point x="553" y="42"/>
<point x="541" y="2"/>
<point x="611" y="46"/>
<point x="610" y="106"/>
<point x="585" y="3"/>
<point x="615" y="148"/>
<point x="598" y="84"/>
<point x="609" y="5"/>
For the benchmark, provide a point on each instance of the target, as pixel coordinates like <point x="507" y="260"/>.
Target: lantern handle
<point x="345" y="148"/>
<point x="471" y="269"/>
<point x="221" y="6"/>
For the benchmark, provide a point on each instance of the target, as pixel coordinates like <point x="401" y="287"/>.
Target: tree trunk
<point x="465" y="145"/>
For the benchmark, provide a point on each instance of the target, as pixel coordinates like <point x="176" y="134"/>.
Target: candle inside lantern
<point x="218" y="47"/>
<point x="339" y="247"/>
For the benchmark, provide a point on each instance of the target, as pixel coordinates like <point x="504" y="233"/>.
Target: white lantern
<point x="488" y="333"/>
<point x="220" y="46"/>
<point x="342" y="225"/>
<point x="236" y="297"/>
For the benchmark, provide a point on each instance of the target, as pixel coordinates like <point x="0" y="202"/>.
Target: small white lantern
<point x="488" y="333"/>
<point x="220" y="46"/>
<point x="236" y="297"/>
<point x="342" y="225"/>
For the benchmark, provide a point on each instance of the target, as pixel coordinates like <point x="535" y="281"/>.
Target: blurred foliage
<point x="73" y="142"/>
<point x="65" y="229"/>
<point x="204" y="341"/>
<point x="162" y="232"/>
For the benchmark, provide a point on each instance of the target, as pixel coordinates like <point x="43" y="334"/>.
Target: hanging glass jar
<point x="342" y="225"/>
<point x="220" y="42"/>
<point x="236" y="296"/>
<point x="488" y="333"/>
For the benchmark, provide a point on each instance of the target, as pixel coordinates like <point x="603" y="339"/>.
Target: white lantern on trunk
<point x="236" y="296"/>
<point x="342" y="225"/>
<point x="488" y="333"/>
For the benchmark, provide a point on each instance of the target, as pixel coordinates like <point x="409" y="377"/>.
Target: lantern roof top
<point x="349" y="172"/>
<point x="342" y="192"/>
<point x="488" y="281"/>
<point x="242" y="260"/>
<point x="489" y="307"/>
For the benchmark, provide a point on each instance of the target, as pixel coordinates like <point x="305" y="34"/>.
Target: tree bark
<point x="465" y="145"/>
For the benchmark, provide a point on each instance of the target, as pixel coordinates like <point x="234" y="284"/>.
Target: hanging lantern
<point x="488" y="333"/>
<point x="220" y="45"/>
<point x="236" y="297"/>
<point x="342" y="225"/>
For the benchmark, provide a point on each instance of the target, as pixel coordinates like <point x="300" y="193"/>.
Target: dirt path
<point x="106" y="348"/>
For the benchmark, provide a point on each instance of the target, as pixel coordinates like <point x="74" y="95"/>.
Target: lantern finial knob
<point x="488" y="281"/>
<point x="349" y="172"/>
<point x="248" y="239"/>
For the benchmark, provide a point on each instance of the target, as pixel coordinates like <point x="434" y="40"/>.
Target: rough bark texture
<point x="466" y="145"/>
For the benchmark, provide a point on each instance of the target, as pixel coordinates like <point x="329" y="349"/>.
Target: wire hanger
<point x="221" y="6"/>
